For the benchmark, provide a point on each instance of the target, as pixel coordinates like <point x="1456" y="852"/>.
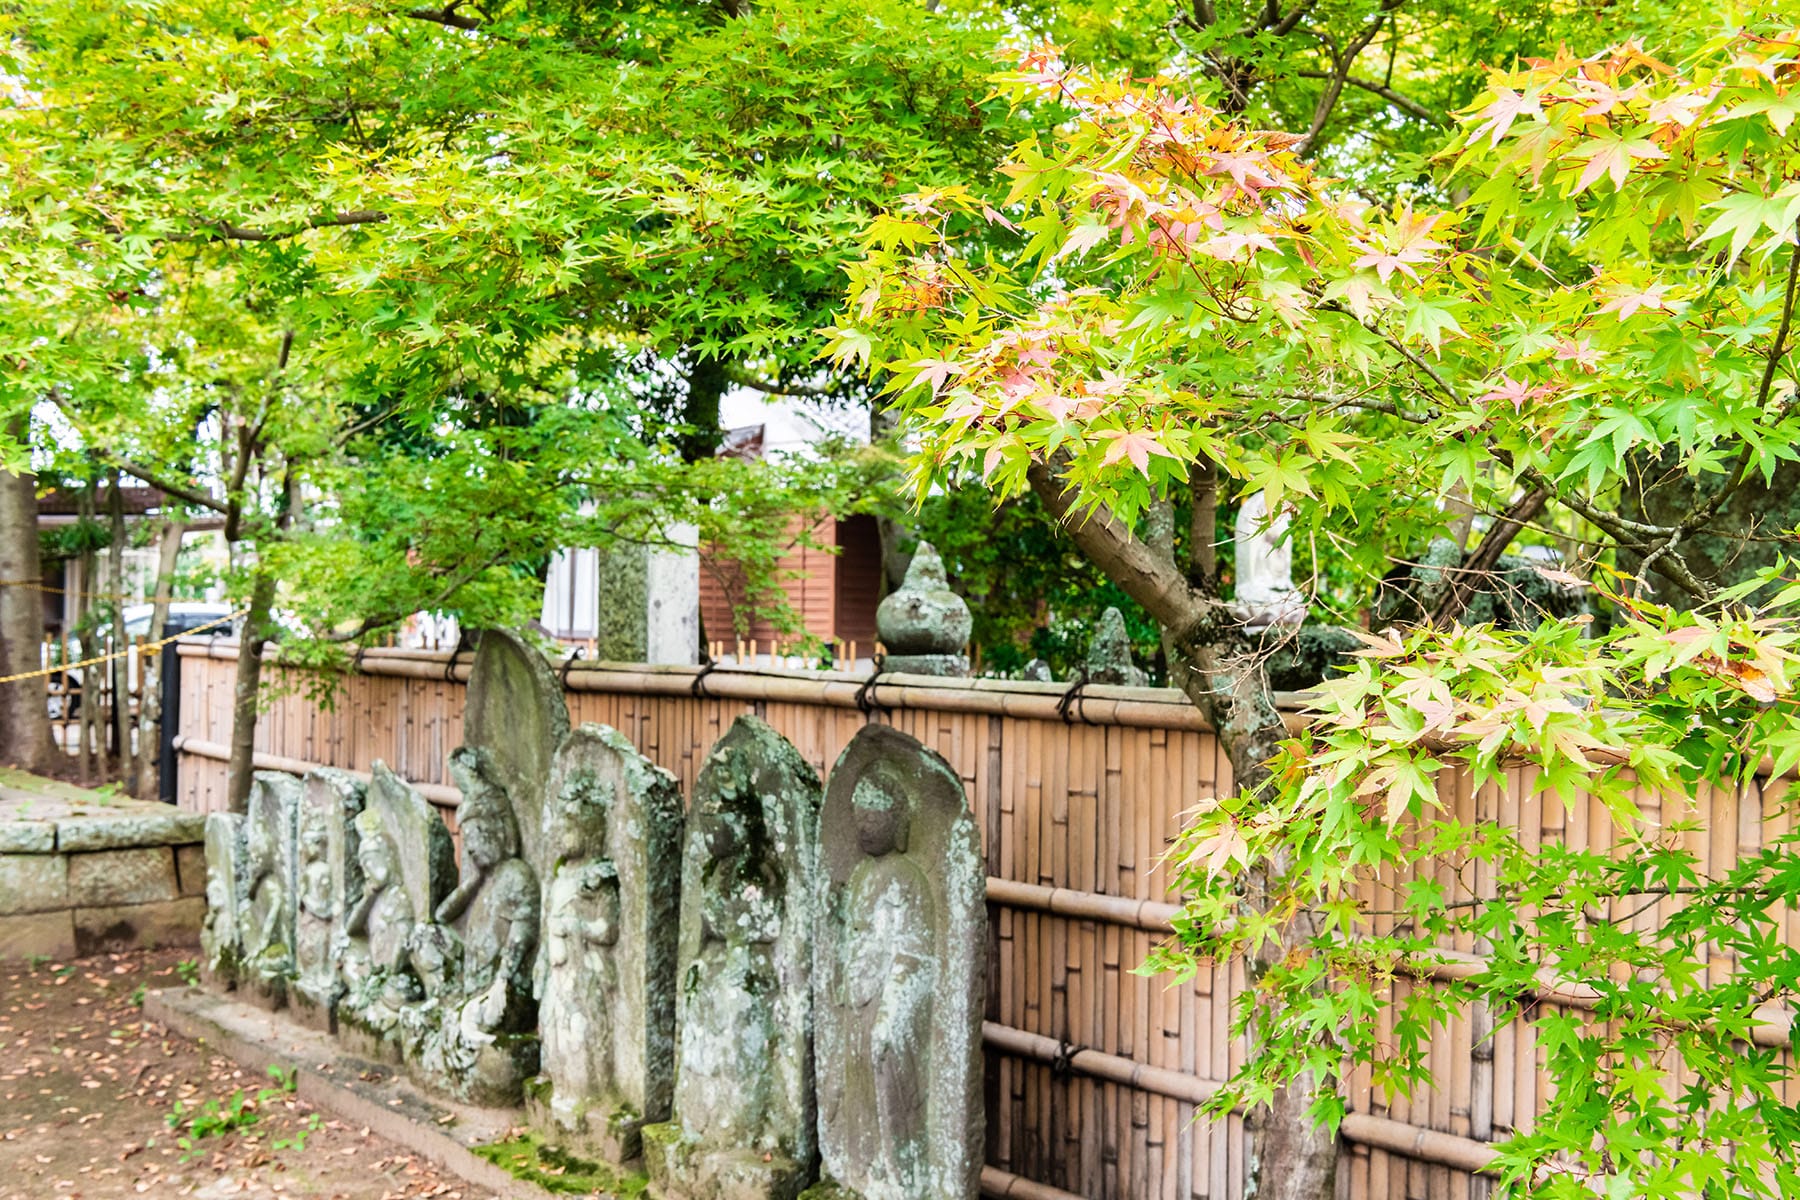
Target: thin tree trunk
<point x="120" y="666"/>
<point x="90" y="676"/>
<point x="25" y="738"/>
<point x="150" y="767"/>
<point x="246" y="691"/>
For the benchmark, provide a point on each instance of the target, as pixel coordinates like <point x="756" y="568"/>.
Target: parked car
<point x="182" y="616"/>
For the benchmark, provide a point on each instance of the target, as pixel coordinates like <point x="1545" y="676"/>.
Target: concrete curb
<point x="352" y="1090"/>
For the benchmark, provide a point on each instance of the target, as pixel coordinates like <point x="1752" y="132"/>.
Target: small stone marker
<point x="607" y="970"/>
<point x="1109" y="654"/>
<point x="328" y="885"/>
<point x="924" y="624"/>
<point x="221" y="943"/>
<point x="899" y="977"/>
<point x="266" y="915"/>
<point x="744" y="1123"/>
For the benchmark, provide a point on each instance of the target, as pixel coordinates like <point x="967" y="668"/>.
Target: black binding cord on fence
<point x="462" y="639"/>
<point x="865" y="695"/>
<point x="562" y="677"/>
<point x="1064" y="1060"/>
<point x="698" y="688"/>
<point x="356" y="659"/>
<point x="1072" y="701"/>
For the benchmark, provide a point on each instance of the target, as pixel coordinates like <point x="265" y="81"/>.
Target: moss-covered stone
<point x="530" y="1158"/>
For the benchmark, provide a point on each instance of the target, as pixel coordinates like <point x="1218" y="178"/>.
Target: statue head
<point x="313" y="836"/>
<point x="490" y="834"/>
<point x="374" y="852"/>
<point x="581" y="810"/>
<point x="879" y="804"/>
<point x="259" y="847"/>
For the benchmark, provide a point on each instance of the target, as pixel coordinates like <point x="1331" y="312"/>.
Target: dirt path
<point x="87" y="1087"/>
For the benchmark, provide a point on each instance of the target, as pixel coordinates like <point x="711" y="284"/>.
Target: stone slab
<point x="141" y="875"/>
<point x="351" y="1089"/>
<point x="164" y="827"/>
<point x="139" y="926"/>
<point x="33" y="883"/>
<point x="40" y="935"/>
<point x="28" y="837"/>
<point x="83" y="819"/>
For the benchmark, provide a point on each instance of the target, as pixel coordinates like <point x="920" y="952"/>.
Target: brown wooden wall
<point x="1086" y="806"/>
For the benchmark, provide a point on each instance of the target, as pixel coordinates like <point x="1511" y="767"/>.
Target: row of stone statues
<point x="777" y="990"/>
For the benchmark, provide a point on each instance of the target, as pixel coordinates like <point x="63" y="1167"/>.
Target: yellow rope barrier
<point x="146" y="647"/>
<point x="36" y="586"/>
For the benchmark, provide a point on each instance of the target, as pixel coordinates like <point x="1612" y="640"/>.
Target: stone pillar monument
<point x="328" y="883"/>
<point x="744" y="1123"/>
<point x="221" y="941"/>
<point x="266" y="919"/>
<point x="607" y="969"/>
<point x="924" y="624"/>
<point x="899" y="977"/>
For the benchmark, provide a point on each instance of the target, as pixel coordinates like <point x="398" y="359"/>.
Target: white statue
<point x="1266" y="595"/>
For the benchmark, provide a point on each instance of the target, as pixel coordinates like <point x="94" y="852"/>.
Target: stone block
<point x="167" y="826"/>
<point x="32" y="883"/>
<point x="139" y="926"/>
<point x="190" y="869"/>
<point x="143" y="875"/>
<point x="45" y="935"/>
<point x="28" y="837"/>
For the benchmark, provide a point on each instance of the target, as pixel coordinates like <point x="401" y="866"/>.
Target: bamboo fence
<point x="1094" y="1072"/>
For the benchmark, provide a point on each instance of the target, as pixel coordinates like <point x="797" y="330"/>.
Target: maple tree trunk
<point x="24" y="705"/>
<point x="245" y="692"/>
<point x="1287" y="1156"/>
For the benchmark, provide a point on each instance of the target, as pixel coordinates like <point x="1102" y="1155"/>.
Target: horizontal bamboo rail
<point x="1004" y="1185"/>
<point x="1425" y="1145"/>
<point x="439" y="794"/>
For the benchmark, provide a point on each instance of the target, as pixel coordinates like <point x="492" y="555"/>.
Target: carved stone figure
<point x="476" y="1033"/>
<point x="515" y="715"/>
<point x="329" y="882"/>
<point x="924" y="624"/>
<point x="408" y="866"/>
<point x="221" y="944"/>
<point x="1265" y="568"/>
<point x="606" y="1011"/>
<point x="899" y="976"/>
<point x="266" y="920"/>
<point x="1109" y="653"/>
<point x="744" y="1123"/>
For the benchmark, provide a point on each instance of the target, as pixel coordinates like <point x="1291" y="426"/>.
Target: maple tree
<point x="1592" y="284"/>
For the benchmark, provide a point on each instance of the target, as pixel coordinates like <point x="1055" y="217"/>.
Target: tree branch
<point x="776" y="389"/>
<point x="225" y="231"/>
<point x="1405" y="104"/>
<point x="1125" y="559"/>
<point x="1487" y="555"/>
<point x="446" y="15"/>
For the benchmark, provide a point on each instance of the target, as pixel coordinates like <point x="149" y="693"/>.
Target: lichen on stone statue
<point x="607" y="971"/>
<point x="329" y="884"/>
<point x="743" y="1125"/>
<point x="267" y="906"/>
<point x="221" y="940"/>
<point x="899" y="977"/>
<point x="923" y="625"/>
<point x="475" y="1037"/>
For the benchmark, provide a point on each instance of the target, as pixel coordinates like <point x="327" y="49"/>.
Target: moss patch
<point x="527" y="1157"/>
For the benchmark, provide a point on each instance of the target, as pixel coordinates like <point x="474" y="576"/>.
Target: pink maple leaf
<point x="1135" y="445"/>
<point x="1626" y="301"/>
<point x="1507" y="107"/>
<point x="936" y="372"/>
